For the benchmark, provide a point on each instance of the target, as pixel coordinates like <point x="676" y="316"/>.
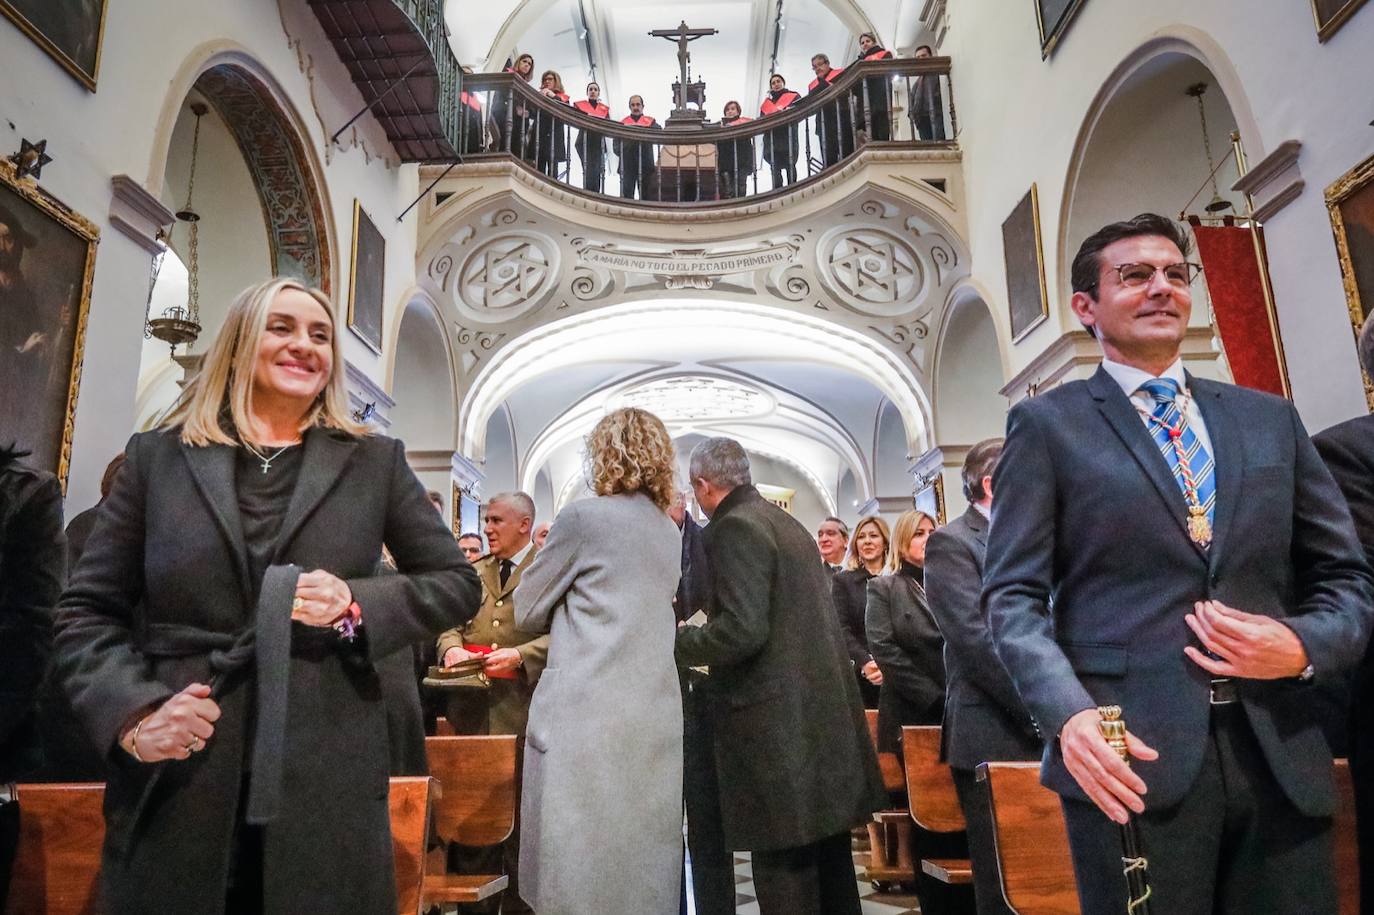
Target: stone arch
<point x="968" y="374"/>
<point x="422" y="379"/>
<point x="1151" y="79"/>
<point x="276" y="145"/>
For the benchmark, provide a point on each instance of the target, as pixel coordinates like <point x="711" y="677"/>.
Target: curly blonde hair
<point x="630" y="450"/>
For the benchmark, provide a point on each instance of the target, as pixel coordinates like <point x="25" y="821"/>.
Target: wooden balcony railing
<point x="888" y="104"/>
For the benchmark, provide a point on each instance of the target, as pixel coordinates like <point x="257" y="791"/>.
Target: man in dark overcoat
<point x="1348" y="450"/>
<point x="797" y="769"/>
<point x="984" y="717"/>
<point x="1206" y="577"/>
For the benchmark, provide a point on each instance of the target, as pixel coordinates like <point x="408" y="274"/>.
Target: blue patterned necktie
<point x="1166" y="416"/>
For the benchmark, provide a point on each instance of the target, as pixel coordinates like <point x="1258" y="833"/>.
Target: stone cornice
<point x="137" y="213"/>
<point x="1274" y="181"/>
<point x="1064" y="359"/>
<point x="362" y="391"/>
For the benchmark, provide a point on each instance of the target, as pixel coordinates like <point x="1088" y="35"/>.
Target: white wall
<point x="151" y="55"/>
<point x="1020" y="118"/>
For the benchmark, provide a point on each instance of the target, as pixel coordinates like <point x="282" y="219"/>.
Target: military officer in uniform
<point x="513" y="661"/>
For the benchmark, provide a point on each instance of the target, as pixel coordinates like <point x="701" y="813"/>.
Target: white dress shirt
<point x="1130" y="379"/>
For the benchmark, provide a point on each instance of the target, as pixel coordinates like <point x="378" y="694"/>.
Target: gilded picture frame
<point x="47" y="268"/>
<point x="931" y="499"/>
<point x="1051" y="33"/>
<point x="1023" y="252"/>
<point x="71" y="32"/>
<point x="1330" y="15"/>
<point x="366" y="279"/>
<point x="1350" y="203"/>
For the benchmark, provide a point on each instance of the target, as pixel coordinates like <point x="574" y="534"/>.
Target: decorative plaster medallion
<point x="874" y="272"/>
<point x="504" y="277"/>
<point x="694" y="398"/>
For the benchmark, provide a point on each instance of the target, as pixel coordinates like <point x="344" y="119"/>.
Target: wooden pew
<point x="409" y="802"/>
<point x="475" y="806"/>
<point x="1033" y="856"/>
<point x="61" y="830"/>
<point x="1032" y="842"/>
<point x="890" y="859"/>
<point x="934" y="802"/>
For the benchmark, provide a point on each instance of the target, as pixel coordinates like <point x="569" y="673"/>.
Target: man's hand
<point x="1106" y="778"/>
<point x="1250" y="646"/>
<point x="502" y="660"/>
<point x="456" y="654"/>
<point x="871" y="673"/>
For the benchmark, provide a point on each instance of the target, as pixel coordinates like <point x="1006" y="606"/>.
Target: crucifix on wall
<point x="683" y="92"/>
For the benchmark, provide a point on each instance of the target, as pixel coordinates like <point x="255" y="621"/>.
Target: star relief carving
<point x="506" y="273"/>
<point x="869" y="269"/>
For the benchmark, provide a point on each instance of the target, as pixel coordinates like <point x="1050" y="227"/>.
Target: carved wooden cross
<point x="682" y="35"/>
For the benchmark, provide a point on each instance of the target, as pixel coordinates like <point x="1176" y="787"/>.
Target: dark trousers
<point x="815" y="879"/>
<point x="930" y="126"/>
<point x="787" y="171"/>
<point x="713" y="864"/>
<point x="1234" y="845"/>
<point x="594" y="172"/>
<point x="734" y="184"/>
<point x="982" y="845"/>
<point x="632" y="178"/>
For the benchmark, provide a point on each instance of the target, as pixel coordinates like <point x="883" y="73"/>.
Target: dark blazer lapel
<point x="977" y="524"/>
<point x="212" y="467"/>
<point x="1125" y="421"/>
<point x="325" y="455"/>
<point x="1223" y="431"/>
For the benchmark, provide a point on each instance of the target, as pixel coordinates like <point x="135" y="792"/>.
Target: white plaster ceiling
<point x="734" y="63"/>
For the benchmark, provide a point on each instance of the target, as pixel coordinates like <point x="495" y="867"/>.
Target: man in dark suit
<point x="797" y="770"/>
<point x="713" y="866"/>
<point x="832" y="539"/>
<point x="1348" y="450"/>
<point x="1204" y="572"/>
<point x="984" y="717"/>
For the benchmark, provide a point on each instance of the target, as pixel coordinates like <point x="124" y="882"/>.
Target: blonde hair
<point x="630" y="450"/>
<point x="852" y="561"/>
<point x="557" y="80"/>
<point x="224" y="384"/>
<point x="908" y="523"/>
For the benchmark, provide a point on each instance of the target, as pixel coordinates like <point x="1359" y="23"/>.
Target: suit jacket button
<point x="499" y="602"/>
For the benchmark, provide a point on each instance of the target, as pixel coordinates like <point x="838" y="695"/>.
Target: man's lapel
<point x="1116" y="408"/>
<point x="515" y="572"/>
<point x="325" y="455"/>
<point x="212" y="467"/>
<point x="977" y="524"/>
<point x="1223" y="430"/>
<point x="489" y="567"/>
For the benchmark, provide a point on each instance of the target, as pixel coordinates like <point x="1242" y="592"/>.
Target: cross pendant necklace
<point x="266" y="461"/>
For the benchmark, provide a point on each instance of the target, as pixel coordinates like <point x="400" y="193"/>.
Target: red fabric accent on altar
<point x="1233" y="279"/>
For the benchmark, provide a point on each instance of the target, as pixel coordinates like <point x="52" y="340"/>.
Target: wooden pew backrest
<point x="409" y="801"/>
<point x="929" y="783"/>
<point x="1347" y="846"/>
<point x="888" y="763"/>
<point x="476" y="803"/>
<point x="1033" y="857"/>
<point x="61" y="831"/>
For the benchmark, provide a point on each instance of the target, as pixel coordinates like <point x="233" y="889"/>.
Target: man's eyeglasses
<point x="1180" y="276"/>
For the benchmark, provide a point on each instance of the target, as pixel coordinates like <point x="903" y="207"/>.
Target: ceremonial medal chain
<point x="1199" y="528"/>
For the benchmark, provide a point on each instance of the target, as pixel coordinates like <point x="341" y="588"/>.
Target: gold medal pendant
<point x="1199" y="528"/>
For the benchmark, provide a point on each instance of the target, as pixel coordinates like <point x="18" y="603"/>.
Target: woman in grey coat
<point x="601" y="814"/>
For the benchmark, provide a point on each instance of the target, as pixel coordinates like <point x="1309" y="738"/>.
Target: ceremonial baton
<point x="1133" y="862"/>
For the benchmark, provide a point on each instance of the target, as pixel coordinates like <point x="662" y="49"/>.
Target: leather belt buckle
<point x="1224" y="691"/>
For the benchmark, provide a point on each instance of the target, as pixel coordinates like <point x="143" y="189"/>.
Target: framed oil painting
<point x="1027" y="300"/>
<point x="1332" y="14"/>
<point x="366" y="280"/>
<point x="1350" y="202"/>
<point x="931" y="499"/>
<point x="47" y="263"/>
<point x="69" y="30"/>
<point x="1053" y="18"/>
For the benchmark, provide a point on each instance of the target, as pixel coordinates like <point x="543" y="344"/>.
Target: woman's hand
<point x="872" y="674"/>
<point x="179" y="727"/>
<point x="321" y="598"/>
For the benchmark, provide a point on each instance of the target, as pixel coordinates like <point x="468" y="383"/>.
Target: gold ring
<point x="297" y="604"/>
<point x="191" y="747"/>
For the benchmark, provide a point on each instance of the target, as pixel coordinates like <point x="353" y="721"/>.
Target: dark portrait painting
<point x="1053" y="17"/>
<point x="69" y="30"/>
<point x="1350" y="202"/>
<point x="1021" y="248"/>
<point x="366" y="279"/>
<point x="1332" y="14"/>
<point x="47" y="255"/>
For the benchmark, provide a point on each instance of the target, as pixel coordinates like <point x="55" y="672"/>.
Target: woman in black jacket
<point x="868" y="548"/>
<point x="780" y="144"/>
<point x="903" y="637"/>
<point x="220" y="639"/>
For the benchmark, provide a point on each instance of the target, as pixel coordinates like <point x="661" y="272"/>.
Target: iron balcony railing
<point x="887" y="104"/>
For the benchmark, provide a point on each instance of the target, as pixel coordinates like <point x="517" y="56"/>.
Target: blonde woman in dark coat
<point x="221" y="636"/>
<point x="601" y="814"/>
